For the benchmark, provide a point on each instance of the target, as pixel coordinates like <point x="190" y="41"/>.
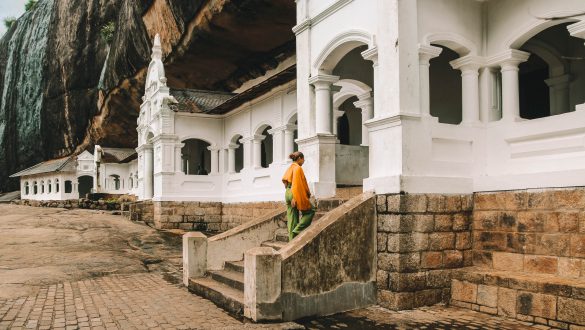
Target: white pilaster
<point x="366" y="104"/>
<point x="425" y="54"/>
<point x="148" y="171"/>
<point x="559" y="94"/>
<point x="319" y="164"/>
<point x="323" y="102"/>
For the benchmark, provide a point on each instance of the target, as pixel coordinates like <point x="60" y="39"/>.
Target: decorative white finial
<point x="156" y="48"/>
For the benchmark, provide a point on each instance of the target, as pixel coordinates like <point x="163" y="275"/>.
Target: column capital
<point x="144" y="147"/>
<point x="213" y="148"/>
<point x="509" y="59"/>
<point x="258" y="137"/>
<point x="371" y="54"/>
<point x="287" y="127"/>
<point x="468" y="63"/>
<point x="558" y="81"/>
<point x="246" y="139"/>
<point x="428" y="52"/>
<point x="232" y="146"/>
<point x="577" y="29"/>
<point x="323" y="80"/>
<point x="362" y="104"/>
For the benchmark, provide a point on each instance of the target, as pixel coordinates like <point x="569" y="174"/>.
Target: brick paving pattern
<point x="435" y="317"/>
<point x="147" y="301"/>
<point x="143" y="301"/>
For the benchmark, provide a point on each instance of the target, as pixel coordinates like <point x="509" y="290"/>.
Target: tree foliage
<point x="8" y="21"/>
<point x="107" y="31"/>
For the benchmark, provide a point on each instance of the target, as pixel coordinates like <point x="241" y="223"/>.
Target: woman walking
<point x="297" y="196"/>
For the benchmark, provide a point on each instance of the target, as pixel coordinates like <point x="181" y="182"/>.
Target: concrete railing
<point x="201" y="253"/>
<point x="330" y="267"/>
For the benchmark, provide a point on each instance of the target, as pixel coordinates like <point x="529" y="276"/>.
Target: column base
<point x="323" y="189"/>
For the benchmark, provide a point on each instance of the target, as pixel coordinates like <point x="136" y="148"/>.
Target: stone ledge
<point x="539" y="298"/>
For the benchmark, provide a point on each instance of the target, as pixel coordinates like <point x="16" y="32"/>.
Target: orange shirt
<point x="300" y="188"/>
<point x="287" y="177"/>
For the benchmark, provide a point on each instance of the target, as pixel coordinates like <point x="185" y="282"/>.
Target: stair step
<point x="228" y="298"/>
<point x="274" y="244"/>
<point x="281" y="235"/>
<point x="329" y="204"/>
<point x="236" y="266"/>
<point x="282" y="238"/>
<point x="230" y="278"/>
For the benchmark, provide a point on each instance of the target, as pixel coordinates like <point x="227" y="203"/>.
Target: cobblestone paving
<point x="147" y="301"/>
<point x="435" y="317"/>
<point x="142" y="301"/>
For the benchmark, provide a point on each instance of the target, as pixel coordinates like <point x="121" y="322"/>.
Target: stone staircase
<point x="225" y="287"/>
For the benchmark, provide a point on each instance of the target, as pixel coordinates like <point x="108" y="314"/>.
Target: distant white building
<point x="109" y="170"/>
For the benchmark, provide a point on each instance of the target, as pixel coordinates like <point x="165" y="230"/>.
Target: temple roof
<point x="198" y="101"/>
<point x="66" y="164"/>
<point x="118" y="155"/>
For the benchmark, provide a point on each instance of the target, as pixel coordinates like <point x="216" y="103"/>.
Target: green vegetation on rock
<point x="31" y="5"/>
<point x="107" y="31"/>
<point x="8" y="21"/>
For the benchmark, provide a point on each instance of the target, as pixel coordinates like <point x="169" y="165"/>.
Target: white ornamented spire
<point x="157" y="49"/>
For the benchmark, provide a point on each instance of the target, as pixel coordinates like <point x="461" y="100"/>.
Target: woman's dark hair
<point x="296" y="155"/>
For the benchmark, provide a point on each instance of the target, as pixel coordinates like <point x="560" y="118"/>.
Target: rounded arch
<point x="349" y="88"/>
<point x="526" y="32"/>
<point x="261" y="127"/>
<point x="236" y="138"/>
<point x="557" y="65"/>
<point x="338" y="47"/>
<point x="453" y="41"/>
<point x="148" y="135"/>
<point x="292" y="118"/>
<point x="196" y="137"/>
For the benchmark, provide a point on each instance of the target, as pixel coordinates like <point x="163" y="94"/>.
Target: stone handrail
<point x="330" y="267"/>
<point x="201" y="253"/>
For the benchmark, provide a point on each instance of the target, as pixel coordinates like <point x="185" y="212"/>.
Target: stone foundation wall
<point x="536" y="231"/>
<point x="140" y="211"/>
<point x="421" y="239"/>
<point x="235" y="214"/>
<point x="74" y="204"/>
<point x="208" y="216"/>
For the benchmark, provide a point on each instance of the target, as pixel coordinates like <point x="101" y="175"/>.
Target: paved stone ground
<point x="89" y="270"/>
<point x="435" y="317"/>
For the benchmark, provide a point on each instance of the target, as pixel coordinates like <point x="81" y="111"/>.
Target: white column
<point x="148" y="172"/>
<point x="366" y="104"/>
<point x="232" y="158"/>
<point x="469" y="66"/>
<point x="257" y="150"/>
<point x="289" y="141"/>
<point x="214" y="159"/>
<point x="559" y="94"/>
<point x="425" y="54"/>
<point x="323" y="102"/>
<point x="248" y="152"/>
<point x="509" y="62"/>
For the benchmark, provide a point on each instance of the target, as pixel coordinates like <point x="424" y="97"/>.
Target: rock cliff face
<point x="63" y="88"/>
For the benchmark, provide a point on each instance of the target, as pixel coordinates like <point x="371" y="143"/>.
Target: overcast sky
<point x="10" y="8"/>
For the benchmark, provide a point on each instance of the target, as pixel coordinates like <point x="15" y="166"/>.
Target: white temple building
<point x="427" y="96"/>
<point x="107" y="171"/>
